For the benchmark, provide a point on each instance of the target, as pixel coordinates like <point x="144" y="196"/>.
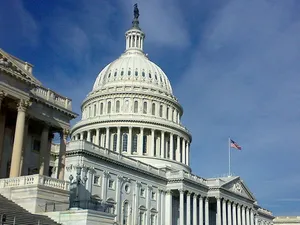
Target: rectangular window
<point x="142" y="192"/>
<point x="111" y="184"/>
<point x="97" y="180"/>
<point x="153" y="195"/>
<point x="144" y="144"/>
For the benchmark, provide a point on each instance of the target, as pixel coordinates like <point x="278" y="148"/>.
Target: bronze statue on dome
<point x="136" y="11"/>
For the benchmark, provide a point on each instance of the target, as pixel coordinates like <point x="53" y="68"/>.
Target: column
<point x="118" y="199"/>
<point x="187" y="153"/>
<point x="137" y="193"/>
<point x="62" y="154"/>
<point x="171" y="146"/>
<point x="224" y="212"/>
<point x="2" y="96"/>
<point x="18" y="140"/>
<point x="81" y="136"/>
<point x="181" y="207"/>
<point x="119" y="139"/>
<point x="140" y="149"/>
<point x="152" y="142"/>
<point x="89" y="138"/>
<point x="234" y="213"/>
<point x="107" y="138"/>
<point x="219" y="218"/>
<point x="104" y="185"/>
<point x="169" y="208"/>
<point x="178" y="150"/>
<point x="183" y="150"/>
<point x="158" y="207"/>
<point x="256" y="219"/>
<point x="47" y="157"/>
<point x="248" y="215"/>
<point x="243" y="215"/>
<point x="23" y="157"/>
<point x="148" y="203"/>
<point x="195" y="217"/>
<point x="43" y="149"/>
<point x="201" y="210"/>
<point x="162" y="145"/>
<point x="206" y="211"/>
<point x="97" y="137"/>
<point x="2" y="132"/>
<point x="163" y="204"/>
<point x="251" y="217"/>
<point x="239" y="214"/>
<point x="229" y="213"/>
<point x="129" y="144"/>
<point x="188" y="208"/>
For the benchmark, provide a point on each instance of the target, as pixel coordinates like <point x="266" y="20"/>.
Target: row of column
<point x="18" y="151"/>
<point x="134" y="40"/>
<point x="158" y="144"/>
<point x="232" y="213"/>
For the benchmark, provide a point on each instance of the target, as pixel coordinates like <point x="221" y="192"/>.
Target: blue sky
<point x="234" y="65"/>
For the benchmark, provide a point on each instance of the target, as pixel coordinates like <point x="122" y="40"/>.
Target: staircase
<point x="16" y="215"/>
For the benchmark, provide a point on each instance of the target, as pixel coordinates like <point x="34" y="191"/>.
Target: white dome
<point x="133" y="68"/>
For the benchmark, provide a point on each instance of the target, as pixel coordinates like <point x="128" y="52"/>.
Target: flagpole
<point x="229" y="156"/>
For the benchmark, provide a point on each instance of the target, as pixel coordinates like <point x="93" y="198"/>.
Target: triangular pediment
<point x="17" y="67"/>
<point x="237" y="186"/>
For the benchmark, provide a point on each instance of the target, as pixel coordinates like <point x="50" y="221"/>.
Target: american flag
<point x="235" y="145"/>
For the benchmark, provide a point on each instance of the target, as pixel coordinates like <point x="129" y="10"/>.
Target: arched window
<point x="160" y="110"/>
<point x="125" y="214"/>
<point x="101" y="108"/>
<point x="153" y="109"/>
<point x="90" y="111"/>
<point x="136" y="106"/>
<point x="144" y="144"/>
<point x="145" y="108"/>
<point x="109" y="107"/>
<point x="95" y="110"/>
<point x="115" y="138"/>
<point x="124" y="142"/>
<point x="134" y="143"/>
<point x="117" y="106"/>
<point x="167" y="113"/>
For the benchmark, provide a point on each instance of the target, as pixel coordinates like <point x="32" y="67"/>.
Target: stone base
<point x="82" y="217"/>
<point x="41" y="194"/>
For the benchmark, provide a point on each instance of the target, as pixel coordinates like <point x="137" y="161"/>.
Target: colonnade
<point x="20" y="138"/>
<point x="139" y="141"/>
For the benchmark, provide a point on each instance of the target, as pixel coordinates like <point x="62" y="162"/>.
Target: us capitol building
<point x="128" y="158"/>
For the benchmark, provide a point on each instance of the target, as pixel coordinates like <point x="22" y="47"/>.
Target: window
<point x="96" y="180"/>
<point x="136" y="106"/>
<point x="109" y="107"/>
<point x="136" y="73"/>
<point x="90" y="111"/>
<point x="155" y="77"/>
<point x="143" y="74"/>
<point x="115" y="138"/>
<point x="152" y="220"/>
<point x="160" y="110"/>
<point x="36" y="145"/>
<point x="145" y="108"/>
<point x="118" y="106"/>
<point x="125" y="214"/>
<point x="127" y="188"/>
<point x="153" y="109"/>
<point x="124" y="143"/>
<point x="167" y="113"/>
<point x="142" y="192"/>
<point x="122" y="73"/>
<point x="111" y="184"/>
<point x="95" y="110"/>
<point x="101" y="108"/>
<point x="109" y="75"/>
<point x="142" y="218"/>
<point x="150" y="75"/>
<point x="115" y="74"/>
<point x="153" y="195"/>
<point x="134" y="143"/>
<point x="129" y="72"/>
<point x="144" y="144"/>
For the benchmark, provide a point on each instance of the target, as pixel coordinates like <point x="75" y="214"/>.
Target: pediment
<point x="17" y="67"/>
<point x="238" y="187"/>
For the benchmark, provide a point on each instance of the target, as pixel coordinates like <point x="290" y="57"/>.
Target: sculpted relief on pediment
<point x="239" y="188"/>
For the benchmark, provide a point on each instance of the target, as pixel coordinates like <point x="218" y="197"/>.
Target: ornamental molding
<point x="82" y="152"/>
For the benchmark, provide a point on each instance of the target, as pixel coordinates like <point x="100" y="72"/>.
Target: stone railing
<point x="187" y="176"/>
<point x="32" y="180"/>
<point x="53" y="97"/>
<point x="87" y="146"/>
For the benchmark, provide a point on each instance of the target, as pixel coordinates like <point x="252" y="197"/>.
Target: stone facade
<point x="287" y="220"/>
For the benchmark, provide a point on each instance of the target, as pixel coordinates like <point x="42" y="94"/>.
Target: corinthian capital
<point x="64" y="133"/>
<point x="23" y="105"/>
